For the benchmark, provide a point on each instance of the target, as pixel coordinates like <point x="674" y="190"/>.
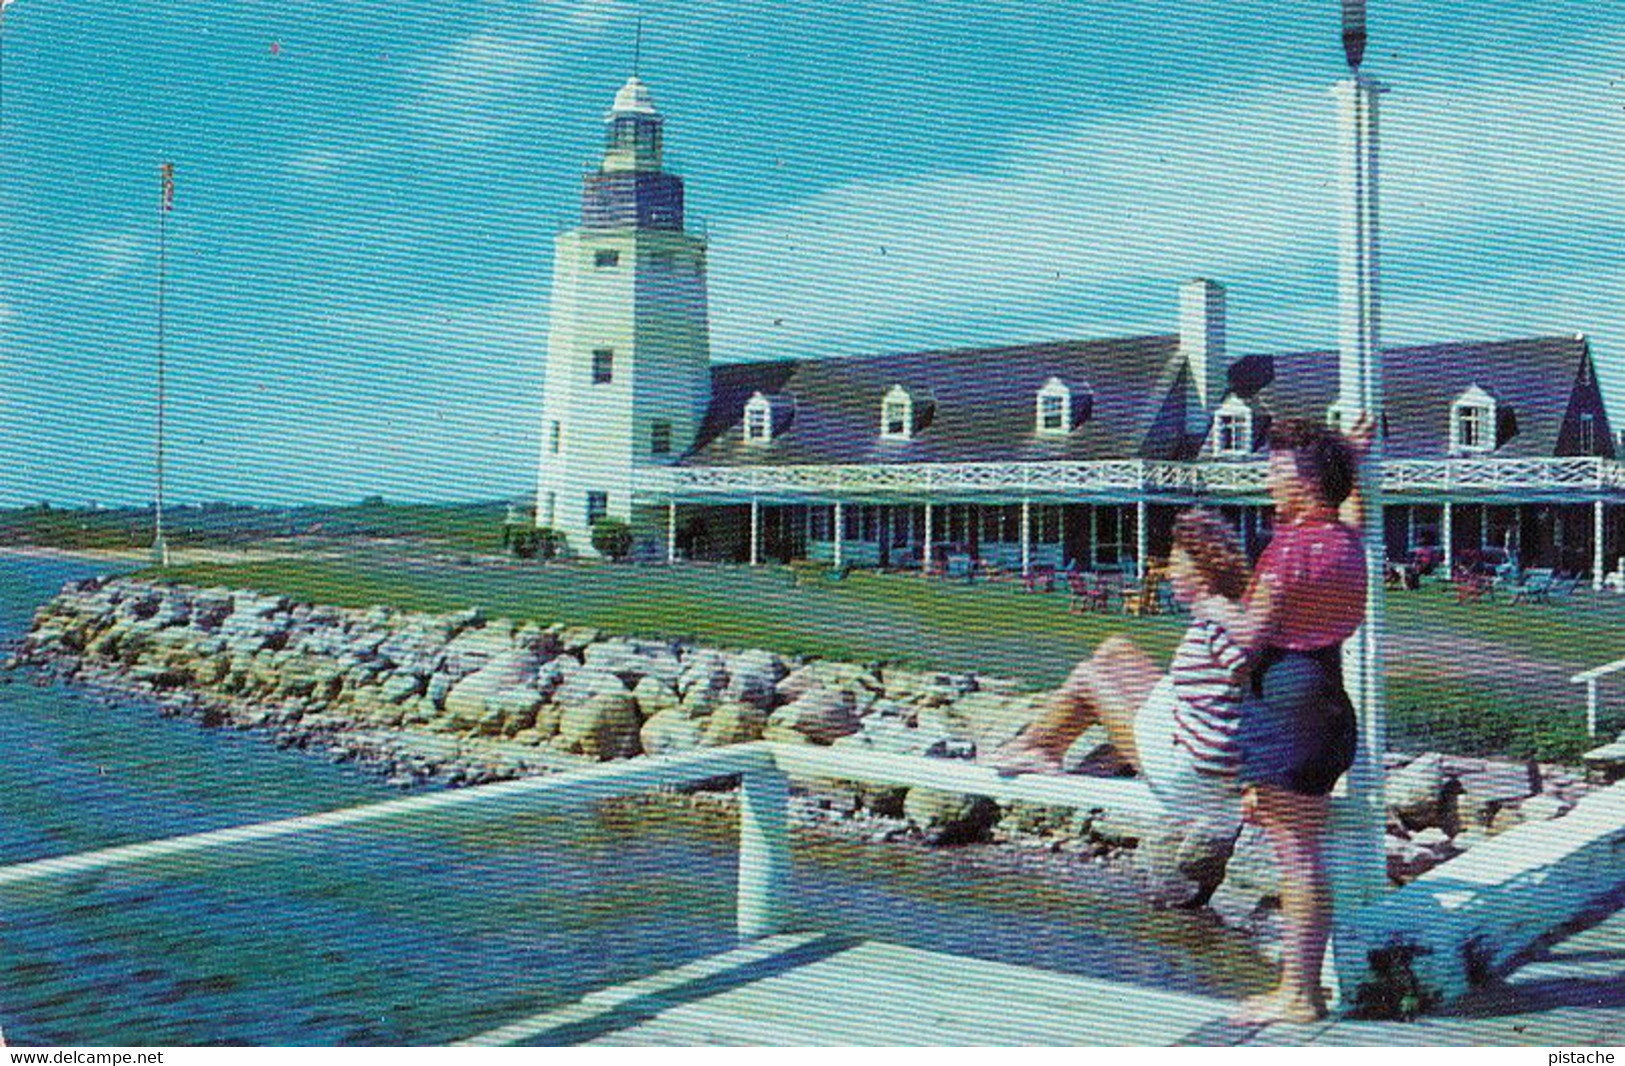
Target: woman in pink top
<point x="1298" y="733"/>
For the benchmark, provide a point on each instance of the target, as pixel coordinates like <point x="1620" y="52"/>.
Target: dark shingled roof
<point x="983" y="400"/>
<point x="1531" y="381"/>
<point x="984" y="405"/>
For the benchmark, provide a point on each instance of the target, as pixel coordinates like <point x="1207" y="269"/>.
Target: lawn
<point x="1488" y="678"/>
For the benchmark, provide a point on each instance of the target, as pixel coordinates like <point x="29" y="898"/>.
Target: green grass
<point x="995" y="629"/>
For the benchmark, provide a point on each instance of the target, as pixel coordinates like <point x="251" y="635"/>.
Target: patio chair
<point x="1141" y="599"/>
<point x="1562" y="588"/>
<point x="1089" y="592"/>
<point x="1535" y="587"/>
<point x="1039" y="578"/>
<point x="962" y="567"/>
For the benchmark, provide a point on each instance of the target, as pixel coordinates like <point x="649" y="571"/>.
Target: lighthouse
<point x="628" y="377"/>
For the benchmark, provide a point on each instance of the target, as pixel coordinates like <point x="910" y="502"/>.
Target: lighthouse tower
<point x="628" y="354"/>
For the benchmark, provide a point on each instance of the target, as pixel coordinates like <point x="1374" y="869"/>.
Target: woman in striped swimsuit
<point x="1179" y="728"/>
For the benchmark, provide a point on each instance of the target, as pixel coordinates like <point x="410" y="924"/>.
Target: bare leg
<point x="1108" y="687"/>
<point x="1296" y="827"/>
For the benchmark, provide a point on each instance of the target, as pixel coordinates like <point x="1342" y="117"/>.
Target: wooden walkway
<point x="815" y="990"/>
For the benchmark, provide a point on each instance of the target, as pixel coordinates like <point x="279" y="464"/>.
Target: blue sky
<point x="367" y="195"/>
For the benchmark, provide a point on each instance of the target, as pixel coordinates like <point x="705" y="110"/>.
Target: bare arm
<point x="1360" y="437"/>
<point x="1254" y="623"/>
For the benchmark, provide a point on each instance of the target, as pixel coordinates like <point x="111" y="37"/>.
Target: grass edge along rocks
<point x="466" y="699"/>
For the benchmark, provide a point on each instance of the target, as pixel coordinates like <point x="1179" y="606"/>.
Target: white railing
<point x="1130" y="477"/>
<point x="1589" y="679"/>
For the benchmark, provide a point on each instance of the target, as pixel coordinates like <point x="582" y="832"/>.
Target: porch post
<point x="1026" y="537"/>
<point x="925" y="542"/>
<point x="1094" y="536"/>
<point x="1410" y="528"/>
<point x="1598" y="562"/>
<point x="1142" y="537"/>
<point x="671" y="531"/>
<point x="755" y="530"/>
<point x="1447" y="533"/>
<point x="840" y="530"/>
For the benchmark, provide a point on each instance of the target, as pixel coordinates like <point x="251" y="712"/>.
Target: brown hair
<point x="1322" y="455"/>
<point x="1210" y="542"/>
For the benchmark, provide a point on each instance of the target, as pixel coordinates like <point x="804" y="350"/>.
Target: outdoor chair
<point x="1141" y="599"/>
<point x="962" y="567"/>
<point x="1562" y="588"/>
<point x="1535" y="587"/>
<point x="1039" y="579"/>
<point x="1089" y="592"/>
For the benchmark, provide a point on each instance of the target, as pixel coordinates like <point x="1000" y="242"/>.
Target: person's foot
<point x="1014" y="758"/>
<point x="1279" y="1006"/>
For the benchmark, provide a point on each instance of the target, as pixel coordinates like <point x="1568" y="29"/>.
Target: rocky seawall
<point x="464" y="699"/>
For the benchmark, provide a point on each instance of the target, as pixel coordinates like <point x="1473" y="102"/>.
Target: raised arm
<point x="1256" y="620"/>
<point x="1360" y="436"/>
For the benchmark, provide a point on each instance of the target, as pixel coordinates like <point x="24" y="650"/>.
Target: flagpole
<point x="160" y="549"/>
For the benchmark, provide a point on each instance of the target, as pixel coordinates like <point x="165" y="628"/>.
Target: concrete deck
<point x="810" y="989"/>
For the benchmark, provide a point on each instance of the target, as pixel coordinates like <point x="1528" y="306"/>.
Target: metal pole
<point x="1026" y="538"/>
<point x="840" y="531"/>
<point x="925" y="544"/>
<point x="160" y="549"/>
<point x="755" y="530"/>
<point x="1598" y="562"/>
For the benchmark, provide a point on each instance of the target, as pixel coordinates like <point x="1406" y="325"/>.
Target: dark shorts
<point x="1298" y="729"/>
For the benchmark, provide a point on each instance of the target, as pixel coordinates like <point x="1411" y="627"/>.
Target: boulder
<point x="950" y="817"/>
<point x="1488" y="786"/>
<point x="473" y="648"/>
<point x="1408" y="860"/>
<point x="605" y="726"/>
<point x="512" y="710"/>
<point x="437" y="689"/>
<point x="552" y="675"/>
<point x="587" y="683"/>
<point x="1544" y="807"/>
<point x="654" y="697"/>
<point x="1251" y="888"/>
<point x="1416" y="792"/>
<point x="992" y="720"/>
<point x="633" y="660"/>
<point x="400" y="687"/>
<point x="1184" y="864"/>
<point x="467" y="702"/>
<point x="573" y="640"/>
<point x="670" y="732"/>
<point x="820" y="715"/>
<point x="753" y="677"/>
<point x="703" y="668"/>
<point x="734" y="722"/>
<point x="842" y="677"/>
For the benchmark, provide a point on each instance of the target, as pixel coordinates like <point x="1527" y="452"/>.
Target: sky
<point x="360" y="251"/>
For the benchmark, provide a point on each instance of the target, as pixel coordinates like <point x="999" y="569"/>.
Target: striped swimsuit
<point x="1206" y="675"/>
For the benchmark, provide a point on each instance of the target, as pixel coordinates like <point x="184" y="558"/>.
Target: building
<point x="1073" y="452"/>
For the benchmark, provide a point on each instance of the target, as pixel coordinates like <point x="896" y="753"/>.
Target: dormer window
<point x="758" y="420"/>
<point x="1054" y="408"/>
<point x="1233" y="428"/>
<point x="1472" y="422"/>
<point x="897" y="414"/>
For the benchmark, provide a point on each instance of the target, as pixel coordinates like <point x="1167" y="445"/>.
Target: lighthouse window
<point x="606" y="259"/>
<point x="603" y="366"/>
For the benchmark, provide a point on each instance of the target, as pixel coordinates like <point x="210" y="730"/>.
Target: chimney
<point x="1201" y="339"/>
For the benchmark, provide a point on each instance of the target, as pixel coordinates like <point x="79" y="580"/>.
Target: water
<point x="430" y="932"/>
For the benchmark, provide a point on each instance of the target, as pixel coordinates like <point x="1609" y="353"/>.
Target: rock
<point x="821" y="715"/>
<point x="1184" y="864"/>
<point x="466" y="703"/>
<point x="587" y="683"/>
<point x="1505" y="818"/>
<point x="1432" y="838"/>
<point x="1489" y="786"/>
<point x="1251" y="888"/>
<point x="842" y="677"/>
<point x="950" y="817"/>
<point x="1408" y="860"/>
<point x="894" y="737"/>
<point x="437" y="689"/>
<point x="473" y="648"/>
<point x="1417" y="794"/>
<point x="573" y="640"/>
<point x="401" y="687"/>
<point x="604" y="727"/>
<point x="552" y="675"/>
<point x="670" y="732"/>
<point x="705" y="670"/>
<point x="734" y="722"/>
<point x="511" y="711"/>
<point x="654" y="697"/>
<point x="753" y="677"/>
<point x="632" y="660"/>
